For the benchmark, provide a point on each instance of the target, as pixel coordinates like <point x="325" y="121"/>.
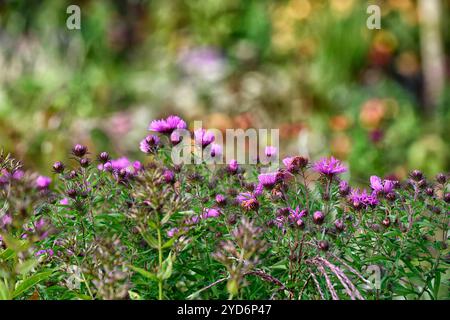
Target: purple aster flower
<point x="40" y="224"/>
<point x="259" y="188"/>
<point x="137" y="166"/>
<point x="216" y="150"/>
<point x="379" y="186"/>
<point x="329" y="167"/>
<point x="221" y="200"/>
<point x="233" y="166"/>
<point x="167" y="126"/>
<point x="120" y="163"/>
<point x="248" y="201"/>
<point x="149" y="144"/>
<point x="18" y="174"/>
<point x="268" y="180"/>
<point x="270" y="151"/>
<point x="279" y="221"/>
<point x="295" y="164"/>
<point x="344" y="188"/>
<point x="295" y="216"/>
<point x="172" y="232"/>
<point x="5" y="220"/>
<point x="40" y="252"/>
<point x="169" y="176"/>
<point x="361" y="199"/>
<point x="43" y="182"/>
<point x="175" y="138"/>
<point x="175" y="122"/>
<point x="159" y="126"/>
<point x="203" y="137"/>
<point x="210" y="213"/>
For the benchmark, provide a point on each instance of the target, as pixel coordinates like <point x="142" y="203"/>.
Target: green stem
<point x="160" y="281"/>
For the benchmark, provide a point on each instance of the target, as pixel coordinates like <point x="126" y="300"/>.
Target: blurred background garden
<point x="377" y="99"/>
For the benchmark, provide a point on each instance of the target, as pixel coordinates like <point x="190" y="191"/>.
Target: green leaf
<point x="26" y="266"/>
<point x="4" y="291"/>
<point x="7" y="254"/>
<point x="152" y="242"/>
<point x="437" y="284"/>
<point x="134" y="296"/>
<point x="166" y="270"/>
<point x="31" y="281"/>
<point x="16" y="245"/>
<point x="168" y="244"/>
<point x="166" y="218"/>
<point x="145" y="273"/>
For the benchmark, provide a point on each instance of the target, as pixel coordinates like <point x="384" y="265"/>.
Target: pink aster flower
<point x="169" y="176"/>
<point x="329" y="167"/>
<point x="294" y="164"/>
<point x="268" y="180"/>
<point x="18" y="174"/>
<point x="210" y="213"/>
<point x="221" y="200"/>
<point x="361" y="199"/>
<point x="203" y="137"/>
<point x="216" y="150"/>
<point x="172" y="232"/>
<point x="270" y="151"/>
<point x="149" y="144"/>
<point x="175" y="138"/>
<point x="5" y="220"/>
<point x="175" y="122"/>
<point x="296" y="216"/>
<point x="43" y="182"/>
<point x="167" y="126"/>
<point x="248" y="201"/>
<point x="233" y="166"/>
<point x="64" y="201"/>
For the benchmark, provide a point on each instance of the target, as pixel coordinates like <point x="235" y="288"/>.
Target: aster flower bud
<point x="447" y="197"/>
<point x="72" y="193"/>
<point x="323" y="245"/>
<point x="318" y="217"/>
<point x="169" y="176"/>
<point x="58" y="167"/>
<point x="416" y="175"/>
<point x="43" y="182"/>
<point x="441" y="178"/>
<point x="299" y="223"/>
<point x="233" y="166"/>
<point x="221" y="200"/>
<point x="84" y="162"/>
<point x="376" y="227"/>
<point x="344" y="188"/>
<point x="79" y="150"/>
<point x="72" y="174"/>
<point x="386" y="222"/>
<point x="391" y="196"/>
<point x="232" y="219"/>
<point x="429" y="191"/>
<point x="283" y="212"/>
<point x="422" y="183"/>
<point x="339" y="224"/>
<point x="103" y="157"/>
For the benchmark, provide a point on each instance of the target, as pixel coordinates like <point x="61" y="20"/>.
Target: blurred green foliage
<point x="311" y="68"/>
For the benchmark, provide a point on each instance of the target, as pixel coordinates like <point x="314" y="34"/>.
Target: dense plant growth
<point x="105" y="228"/>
